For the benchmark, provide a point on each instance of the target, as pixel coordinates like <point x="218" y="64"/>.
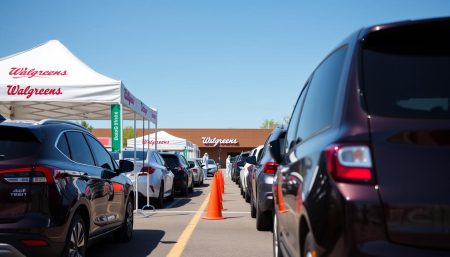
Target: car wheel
<point x="276" y="240"/>
<point x="252" y="209"/>
<point x="125" y="233"/>
<point x="247" y="197"/>
<point x="172" y="194"/>
<point x="160" y="200"/>
<point x="185" y="189"/>
<point x="263" y="219"/>
<point x="191" y="188"/>
<point x="310" y="246"/>
<point x="76" y="242"/>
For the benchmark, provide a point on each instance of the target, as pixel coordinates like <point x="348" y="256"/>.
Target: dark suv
<point x="59" y="189"/>
<point x="183" y="181"/>
<point x="363" y="167"/>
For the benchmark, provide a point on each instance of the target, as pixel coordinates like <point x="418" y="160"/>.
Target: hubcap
<point x="77" y="240"/>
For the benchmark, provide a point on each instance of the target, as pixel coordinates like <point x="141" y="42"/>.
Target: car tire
<point x="125" y="233"/>
<point x="310" y="248"/>
<point x="252" y="209"/>
<point x="191" y="188"/>
<point x="159" y="203"/>
<point x="275" y="238"/>
<point x="76" y="240"/>
<point x="185" y="189"/>
<point x="247" y="197"/>
<point x="263" y="219"/>
<point x="172" y="195"/>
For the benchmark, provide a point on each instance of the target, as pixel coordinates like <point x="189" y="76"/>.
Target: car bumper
<point x="265" y="195"/>
<point x="11" y="244"/>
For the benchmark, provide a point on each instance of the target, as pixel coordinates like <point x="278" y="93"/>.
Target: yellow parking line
<point x="178" y="248"/>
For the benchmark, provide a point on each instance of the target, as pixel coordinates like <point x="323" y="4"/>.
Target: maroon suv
<point x="364" y="164"/>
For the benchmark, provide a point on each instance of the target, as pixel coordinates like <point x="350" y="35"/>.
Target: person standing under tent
<point x="228" y="166"/>
<point x="205" y="165"/>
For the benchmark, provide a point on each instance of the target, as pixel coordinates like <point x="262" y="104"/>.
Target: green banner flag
<point x="115" y="128"/>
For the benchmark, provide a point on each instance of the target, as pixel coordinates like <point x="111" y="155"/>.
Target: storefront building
<point x="218" y="143"/>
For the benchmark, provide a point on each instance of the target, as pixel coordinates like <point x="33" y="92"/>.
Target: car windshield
<point x="406" y="73"/>
<point x="140" y="155"/>
<point x="211" y="161"/>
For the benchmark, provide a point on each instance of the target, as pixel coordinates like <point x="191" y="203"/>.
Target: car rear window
<point x="140" y="155"/>
<point x="17" y="143"/>
<point x="170" y="160"/>
<point x="406" y="72"/>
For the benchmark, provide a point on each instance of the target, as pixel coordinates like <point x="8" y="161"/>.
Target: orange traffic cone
<point x="214" y="211"/>
<point x="223" y="182"/>
<point x="220" y="180"/>
<point x="281" y="207"/>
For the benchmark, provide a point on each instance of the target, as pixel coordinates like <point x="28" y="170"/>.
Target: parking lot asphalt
<point x="180" y="230"/>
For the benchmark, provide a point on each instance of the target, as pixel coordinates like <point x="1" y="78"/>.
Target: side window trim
<point x="93" y="153"/>
<point x="60" y="136"/>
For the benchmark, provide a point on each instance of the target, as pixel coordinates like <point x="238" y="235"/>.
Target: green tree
<point x="85" y="124"/>
<point x="128" y="132"/>
<point x="269" y="124"/>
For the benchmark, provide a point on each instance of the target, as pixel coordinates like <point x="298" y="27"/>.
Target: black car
<point x="183" y="182"/>
<point x="363" y="167"/>
<point x="261" y="182"/>
<point x="59" y="189"/>
<point x="237" y="165"/>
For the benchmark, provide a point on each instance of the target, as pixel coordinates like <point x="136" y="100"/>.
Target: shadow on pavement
<point x="141" y="245"/>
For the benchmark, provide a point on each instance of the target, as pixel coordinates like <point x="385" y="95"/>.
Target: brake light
<point x="350" y="163"/>
<point x="32" y="242"/>
<point x="146" y="170"/>
<point x="270" y="167"/>
<point x="36" y="174"/>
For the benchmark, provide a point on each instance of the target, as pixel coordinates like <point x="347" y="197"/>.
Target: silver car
<point x="149" y="164"/>
<point x="197" y="170"/>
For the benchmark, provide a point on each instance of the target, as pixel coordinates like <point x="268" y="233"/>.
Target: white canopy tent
<point x="48" y="81"/>
<point x="164" y="142"/>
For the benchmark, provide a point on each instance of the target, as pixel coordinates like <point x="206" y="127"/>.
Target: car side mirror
<point x="191" y="165"/>
<point x="276" y="148"/>
<point x="251" y="160"/>
<point x="126" y="166"/>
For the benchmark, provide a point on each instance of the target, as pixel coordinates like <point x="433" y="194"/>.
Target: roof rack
<point x="56" y="121"/>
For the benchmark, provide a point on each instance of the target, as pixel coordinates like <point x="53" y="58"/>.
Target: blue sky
<point x="203" y="64"/>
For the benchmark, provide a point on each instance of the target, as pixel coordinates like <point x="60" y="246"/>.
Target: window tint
<point x="171" y="160"/>
<point x="102" y="157"/>
<point x="161" y="160"/>
<point x="407" y="85"/>
<point x="292" y="128"/>
<point x="79" y="148"/>
<point x="17" y="143"/>
<point x="154" y="158"/>
<point x="129" y="154"/>
<point x="320" y="101"/>
<point x="63" y="146"/>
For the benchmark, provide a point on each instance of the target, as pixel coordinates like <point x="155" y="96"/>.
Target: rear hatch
<point x="19" y="148"/>
<point x="406" y="84"/>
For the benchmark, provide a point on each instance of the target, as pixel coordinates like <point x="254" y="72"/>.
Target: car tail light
<point x="146" y="170"/>
<point x="33" y="242"/>
<point x="35" y="174"/>
<point x="350" y="163"/>
<point x="270" y="167"/>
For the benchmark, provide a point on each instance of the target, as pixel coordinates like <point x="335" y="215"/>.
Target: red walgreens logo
<point x="29" y="91"/>
<point x="30" y="73"/>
